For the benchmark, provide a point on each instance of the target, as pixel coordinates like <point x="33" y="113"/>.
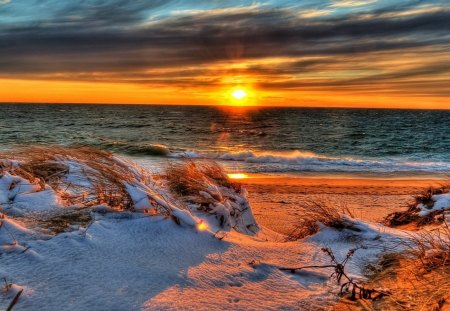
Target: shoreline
<point x="403" y="176"/>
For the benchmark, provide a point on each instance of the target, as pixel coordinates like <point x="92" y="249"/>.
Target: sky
<point x="328" y="53"/>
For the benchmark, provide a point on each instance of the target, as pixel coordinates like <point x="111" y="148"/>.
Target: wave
<point x="152" y="150"/>
<point x="283" y="161"/>
<point x="135" y="149"/>
<point x="308" y="161"/>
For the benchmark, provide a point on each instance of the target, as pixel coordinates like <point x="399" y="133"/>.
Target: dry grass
<point x="431" y="248"/>
<point x="426" y="198"/>
<point x="86" y="177"/>
<point x="316" y="212"/>
<point x="185" y="178"/>
<point x="106" y="173"/>
<point x="411" y="215"/>
<point x="418" y="277"/>
<point x="411" y="287"/>
<point x="205" y="187"/>
<point x="408" y="290"/>
<point x="189" y="178"/>
<point x="60" y="221"/>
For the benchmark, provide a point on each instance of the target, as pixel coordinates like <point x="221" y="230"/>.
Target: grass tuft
<point x="106" y="173"/>
<point x="418" y="277"/>
<point x="188" y="178"/>
<point x="315" y="213"/>
<point x="411" y="214"/>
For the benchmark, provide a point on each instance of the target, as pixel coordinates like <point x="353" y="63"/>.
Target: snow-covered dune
<point x="131" y="262"/>
<point x="150" y="250"/>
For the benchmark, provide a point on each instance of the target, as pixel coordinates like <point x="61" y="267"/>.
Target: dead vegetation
<point x="6" y="288"/>
<point x="316" y="213"/>
<point x="205" y="187"/>
<point x="189" y="178"/>
<point x="61" y="221"/>
<point x="418" y="277"/>
<point x="411" y="214"/>
<point x="349" y="287"/>
<point x="8" y="232"/>
<point x="47" y="165"/>
<point x="431" y="248"/>
<point x="84" y="177"/>
<point x="411" y="286"/>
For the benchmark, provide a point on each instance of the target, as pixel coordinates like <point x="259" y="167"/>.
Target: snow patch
<point x="441" y="202"/>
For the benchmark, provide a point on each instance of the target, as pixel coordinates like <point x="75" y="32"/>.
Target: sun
<point x="239" y="94"/>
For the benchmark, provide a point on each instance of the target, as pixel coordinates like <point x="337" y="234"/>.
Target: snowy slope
<point x="134" y="262"/>
<point x="129" y="260"/>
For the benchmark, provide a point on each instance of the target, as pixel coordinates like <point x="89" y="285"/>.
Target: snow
<point x="441" y="202"/>
<point x="25" y="195"/>
<point x="129" y="260"/>
<point x="134" y="262"/>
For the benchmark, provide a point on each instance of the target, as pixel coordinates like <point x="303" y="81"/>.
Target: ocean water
<point x="269" y="140"/>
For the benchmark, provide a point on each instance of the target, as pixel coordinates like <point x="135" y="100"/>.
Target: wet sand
<point x="277" y="200"/>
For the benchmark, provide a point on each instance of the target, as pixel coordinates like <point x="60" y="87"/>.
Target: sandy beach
<point x="277" y="200"/>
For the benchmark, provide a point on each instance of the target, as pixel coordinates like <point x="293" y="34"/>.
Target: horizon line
<point x="219" y="106"/>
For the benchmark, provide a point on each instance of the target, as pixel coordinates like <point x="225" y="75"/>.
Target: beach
<point x="277" y="200"/>
<point x="192" y="233"/>
<point x="145" y="200"/>
<point x="224" y="155"/>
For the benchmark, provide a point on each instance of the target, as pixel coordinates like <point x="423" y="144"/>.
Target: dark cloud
<point x="116" y="38"/>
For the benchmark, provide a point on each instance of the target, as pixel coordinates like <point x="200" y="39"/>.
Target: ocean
<point x="253" y="140"/>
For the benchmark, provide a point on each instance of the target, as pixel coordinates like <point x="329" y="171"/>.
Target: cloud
<point x="5" y="1"/>
<point x="352" y="3"/>
<point x="314" y="13"/>
<point x="117" y="41"/>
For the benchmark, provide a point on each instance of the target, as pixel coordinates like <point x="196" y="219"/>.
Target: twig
<point x="14" y="301"/>
<point x="339" y="273"/>
<point x="89" y="225"/>
<point x="9" y="232"/>
<point x="305" y="267"/>
<point x="7" y="285"/>
<point x="27" y="248"/>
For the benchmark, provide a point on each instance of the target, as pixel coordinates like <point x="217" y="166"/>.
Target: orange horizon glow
<point x="227" y="54"/>
<point x="78" y="92"/>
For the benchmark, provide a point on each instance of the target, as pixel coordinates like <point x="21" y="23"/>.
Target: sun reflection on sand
<point x="237" y="176"/>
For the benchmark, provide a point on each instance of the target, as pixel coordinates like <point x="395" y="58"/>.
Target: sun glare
<point x="201" y="226"/>
<point x="237" y="176"/>
<point x="239" y="94"/>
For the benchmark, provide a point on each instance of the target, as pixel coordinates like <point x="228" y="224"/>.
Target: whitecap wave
<point x="297" y="160"/>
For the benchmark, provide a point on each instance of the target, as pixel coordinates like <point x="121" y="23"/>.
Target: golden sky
<point x="282" y="53"/>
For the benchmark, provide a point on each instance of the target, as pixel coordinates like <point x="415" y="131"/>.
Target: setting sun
<point x="239" y="94"/>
